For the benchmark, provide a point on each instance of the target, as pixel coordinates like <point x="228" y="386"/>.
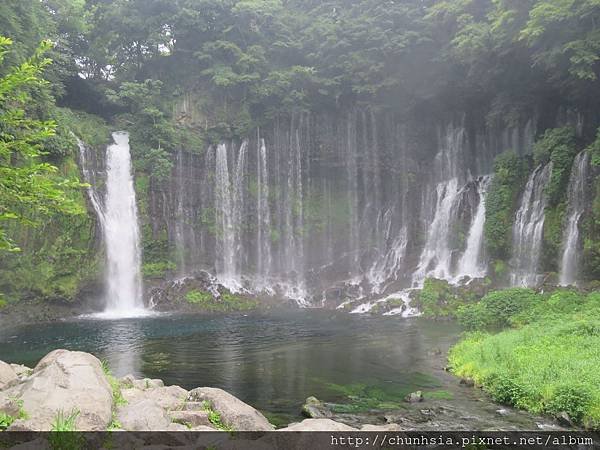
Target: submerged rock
<point x="414" y="397"/>
<point x="315" y="409"/>
<point x="64" y="383"/>
<point x="234" y="413"/>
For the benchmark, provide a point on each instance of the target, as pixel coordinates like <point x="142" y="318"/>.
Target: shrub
<point x="572" y="399"/>
<point x="497" y="308"/>
<point x="510" y="174"/>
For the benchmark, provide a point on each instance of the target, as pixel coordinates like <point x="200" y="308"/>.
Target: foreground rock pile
<point x="71" y="391"/>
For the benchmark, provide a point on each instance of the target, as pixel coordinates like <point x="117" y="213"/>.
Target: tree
<point x="30" y="189"/>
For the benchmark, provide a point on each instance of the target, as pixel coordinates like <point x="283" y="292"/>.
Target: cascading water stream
<point x="225" y="263"/>
<point x="569" y="267"/>
<point x="471" y="263"/>
<point x="528" y="229"/>
<point x="122" y="239"/>
<point x="119" y="222"/>
<point x="263" y="241"/>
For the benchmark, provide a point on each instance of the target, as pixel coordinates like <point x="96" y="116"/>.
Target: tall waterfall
<point x="471" y="263"/>
<point x="121" y="232"/>
<point x="528" y="229"/>
<point x="225" y="263"/>
<point x="263" y="229"/>
<point x="576" y="206"/>
<point x="352" y="205"/>
<point x="118" y="218"/>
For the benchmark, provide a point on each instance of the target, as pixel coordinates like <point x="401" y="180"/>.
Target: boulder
<point x="386" y="427"/>
<point x="9" y="406"/>
<point x="144" y="415"/>
<point x="21" y="370"/>
<point x="170" y="397"/>
<point x="315" y="409"/>
<point x="192" y="418"/>
<point x="64" y="382"/>
<point x="234" y="412"/>
<point x="414" y="397"/>
<point x="318" y="425"/>
<point x="202" y="428"/>
<point x="8" y="377"/>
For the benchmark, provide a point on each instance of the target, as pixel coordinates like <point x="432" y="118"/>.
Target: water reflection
<point x="270" y="361"/>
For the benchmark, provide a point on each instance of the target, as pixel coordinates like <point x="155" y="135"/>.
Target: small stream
<point x="275" y="361"/>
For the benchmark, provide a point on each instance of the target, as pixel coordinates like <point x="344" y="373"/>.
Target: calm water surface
<point x="271" y="361"/>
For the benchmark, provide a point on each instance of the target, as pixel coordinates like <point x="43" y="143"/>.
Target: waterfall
<point x="436" y="258"/>
<point x="575" y="209"/>
<point x="237" y="213"/>
<point x="118" y="218"/>
<point x="263" y="238"/>
<point x="471" y="263"/>
<point x="528" y="229"/>
<point x="225" y="261"/>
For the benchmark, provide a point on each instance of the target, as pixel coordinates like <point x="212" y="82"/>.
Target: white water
<point x="528" y="230"/>
<point x="263" y="239"/>
<point x="576" y="206"/>
<point x="119" y="221"/>
<point x="436" y="257"/>
<point x="472" y="263"/>
<point x="225" y="264"/>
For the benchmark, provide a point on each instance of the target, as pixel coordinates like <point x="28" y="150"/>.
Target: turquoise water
<point x="272" y="362"/>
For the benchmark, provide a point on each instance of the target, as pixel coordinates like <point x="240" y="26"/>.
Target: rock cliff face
<point x="367" y="198"/>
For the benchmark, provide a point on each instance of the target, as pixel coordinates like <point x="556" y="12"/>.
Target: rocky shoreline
<point x="76" y="389"/>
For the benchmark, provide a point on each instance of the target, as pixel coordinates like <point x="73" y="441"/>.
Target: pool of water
<point x="272" y="362"/>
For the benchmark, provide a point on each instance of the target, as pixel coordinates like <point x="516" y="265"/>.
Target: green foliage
<point x="63" y="422"/>
<point x="496" y="309"/>
<point x="226" y="302"/>
<point x="510" y="174"/>
<point x="548" y="364"/>
<point x="198" y="297"/>
<point x="558" y="146"/>
<point x="29" y="188"/>
<point x="115" y="385"/>
<point x="439" y="299"/>
<point x="215" y="418"/>
<point x="158" y="269"/>
<point x="6" y="421"/>
<point x="63" y="435"/>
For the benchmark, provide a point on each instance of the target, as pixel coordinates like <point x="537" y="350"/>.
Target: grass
<point x="7" y="420"/>
<point x="115" y="385"/>
<point x="63" y="422"/>
<point x="225" y="303"/>
<point x="63" y="435"/>
<point x="215" y="418"/>
<point x="546" y="363"/>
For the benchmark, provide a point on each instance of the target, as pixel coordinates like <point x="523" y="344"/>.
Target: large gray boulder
<point x="234" y="412"/>
<point x="144" y="415"/>
<point x="8" y="377"/>
<point x="318" y="425"/>
<point x="64" y="382"/>
<point x="169" y="397"/>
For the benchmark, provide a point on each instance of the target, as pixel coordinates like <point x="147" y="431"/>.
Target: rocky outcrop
<point x="64" y="383"/>
<point x="234" y="413"/>
<point x="8" y="376"/>
<point x="318" y="425"/>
